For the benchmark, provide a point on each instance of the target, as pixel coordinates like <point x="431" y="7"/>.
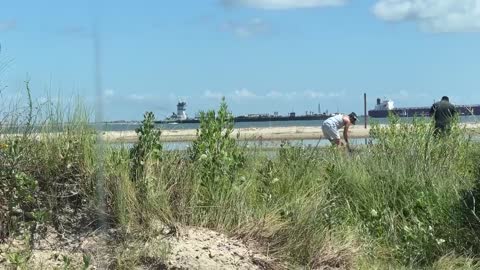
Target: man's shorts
<point x="331" y="133"/>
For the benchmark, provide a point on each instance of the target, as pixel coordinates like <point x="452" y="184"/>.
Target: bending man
<point x="332" y="125"/>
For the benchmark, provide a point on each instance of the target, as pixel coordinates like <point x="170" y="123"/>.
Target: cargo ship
<point x="181" y="116"/>
<point x="385" y="107"/>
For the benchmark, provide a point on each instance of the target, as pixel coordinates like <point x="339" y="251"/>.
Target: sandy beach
<point x="246" y="134"/>
<point x="253" y="134"/>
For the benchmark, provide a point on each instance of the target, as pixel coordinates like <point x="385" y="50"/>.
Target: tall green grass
<point x="407" y="200"/>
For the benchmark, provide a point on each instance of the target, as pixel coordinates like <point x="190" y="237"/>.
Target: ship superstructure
<point x="181" y="114"/>
<point x="385" y="104"/>
<point x="182" y="110"/>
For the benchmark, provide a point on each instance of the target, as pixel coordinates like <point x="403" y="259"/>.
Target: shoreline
<point x="253" y="134"/>
<point x="246" y="134"/>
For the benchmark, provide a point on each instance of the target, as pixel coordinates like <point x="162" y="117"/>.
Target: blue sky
<point x="262" y="55"/>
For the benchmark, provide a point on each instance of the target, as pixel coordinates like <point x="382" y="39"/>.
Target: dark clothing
<point x="443" y="112"/>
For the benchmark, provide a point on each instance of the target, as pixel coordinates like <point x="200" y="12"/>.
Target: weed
<point x="215" y="152"/>
<point x="145" y="156"/>
<point x="148" y="147"/>
<point x="87" y="261"/>
<point x="67" y="261"/>
<point x="19" y="259"/>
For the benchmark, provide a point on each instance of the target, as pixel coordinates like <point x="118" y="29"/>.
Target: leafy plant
<point x="87" y="261"/>
<point x="215" y="152"/>
<point x="148" y="146"/>
<point x="18" y="188"/>
<point x="67" y="262"/>
<point x="214" y="147"/>
<point x="405" y="188"/>
<point x="144" y="156"/>
<point x="19" y="259"/>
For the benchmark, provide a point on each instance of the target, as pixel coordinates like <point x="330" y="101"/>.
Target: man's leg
<point x="439" y="130"/>
<point x="337" y="142"/>
<point x="331" y="134"/>
<point x="334" y="137"/>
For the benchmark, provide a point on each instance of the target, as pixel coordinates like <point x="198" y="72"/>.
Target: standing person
<point x="443" y="113"/>
<point x="332" y="125"/>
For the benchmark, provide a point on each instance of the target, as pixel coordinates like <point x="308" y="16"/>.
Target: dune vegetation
<point x="408" y="200"/>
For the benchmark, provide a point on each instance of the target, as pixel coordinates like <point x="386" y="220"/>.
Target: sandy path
<point x="270" y="133"/>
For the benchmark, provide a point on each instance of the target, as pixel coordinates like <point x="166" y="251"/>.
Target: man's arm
<point x="432" y="110"/>
<point x="453" y="110"/>
<point x="345" y="136"/>
<point x="345" y="133"/>
<point x="347" y="122"/>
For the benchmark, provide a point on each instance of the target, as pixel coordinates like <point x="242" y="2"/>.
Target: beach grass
<point x="405" y="201"/>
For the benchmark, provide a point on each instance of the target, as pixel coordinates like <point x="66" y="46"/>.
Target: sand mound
<point x="199" y="248"/>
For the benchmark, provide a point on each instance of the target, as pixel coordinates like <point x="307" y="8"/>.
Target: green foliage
<point x="41" y="176"/>
<point x="67" y="262"/>
<point x="148" y="146"/>
<point x="405" y="190"/>
<point x="145" y="157"/>
<point x="215" y="152"/>
<point x="87" y="261"/>
<point x="122" y="195"/>
<point x="18" y="187"/>
<point x="19" y="259"/>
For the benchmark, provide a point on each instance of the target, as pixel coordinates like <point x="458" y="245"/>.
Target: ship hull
<point x="422" y="111"/>
<point x="255" y="119"/>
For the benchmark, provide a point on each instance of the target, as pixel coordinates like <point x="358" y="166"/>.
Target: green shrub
<point x="144" y="156"/>
<point x="215" y="153"/>
<point x="19" y="190"/>
<point x="148" y="146"/>
<point x="404" y="190"/>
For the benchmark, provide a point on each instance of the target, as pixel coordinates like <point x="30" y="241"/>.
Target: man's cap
<point x="353" y="116"/>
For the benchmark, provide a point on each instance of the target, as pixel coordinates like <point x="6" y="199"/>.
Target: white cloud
<point x="337" y="94"/>
<point x="251" y="28"/>
<point x="7" y="25"/>
<point x="313" y="94"/>
<point x="244" y="93"/>
<point x="274" y="94"/>
<point x="136" y="97"/>
<point x="283" y="4"/>
<point x="433" y="15"/>
<point x="290" y="95"/>
<point x="108" y="93"/>
<point x="211" y="94"/>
